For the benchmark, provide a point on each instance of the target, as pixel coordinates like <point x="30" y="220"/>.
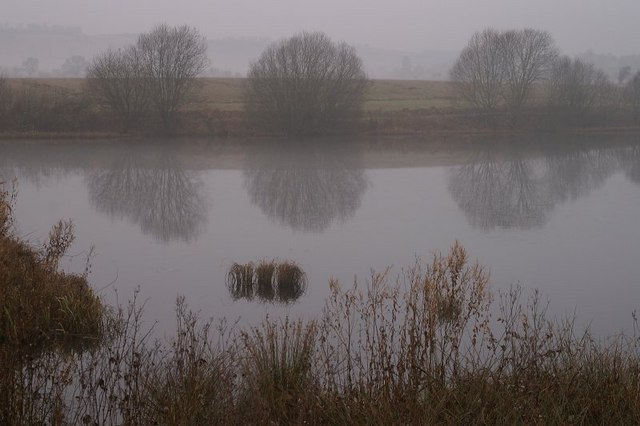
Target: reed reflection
<point x="307" y="187"/>
<point x="514" y="187"/>
<point x="152" y="191"/>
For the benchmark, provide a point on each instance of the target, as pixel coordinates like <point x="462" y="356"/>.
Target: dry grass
<point x="38" y="303"/>
<point x="278" y="382"/>
<point x="226" y="94"/>
<point x="397" y="95"/>
<point x="42" y="310"/>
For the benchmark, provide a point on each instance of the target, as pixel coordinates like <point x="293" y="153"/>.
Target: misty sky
<point x="606" y="26"/>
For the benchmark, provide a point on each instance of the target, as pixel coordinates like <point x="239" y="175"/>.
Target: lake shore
<point x="61" y="109"/>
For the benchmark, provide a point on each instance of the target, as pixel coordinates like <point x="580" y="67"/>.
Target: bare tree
<point x="528" y="56"/>
<point x="117" y="78"/>
<point x="576" y="88"/>
<point x="6" y="94"/>
<point x="623" y="74"/>
<point x="75" y="66"/>
<point x="632" y="93"/>
<point x="501" y="68"/>
<point x="30" y="66"/>
<point x="172" y="58"/>
<point x="479" y="72"/>
<point x="305" y="84"/>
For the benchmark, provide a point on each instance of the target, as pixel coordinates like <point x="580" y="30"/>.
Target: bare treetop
<point x="172" y="58"/>
<point x="501" y="68"/>
<point x="305" y="84"/>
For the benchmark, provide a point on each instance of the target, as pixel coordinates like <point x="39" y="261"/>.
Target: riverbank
<point x="60" y="108"/>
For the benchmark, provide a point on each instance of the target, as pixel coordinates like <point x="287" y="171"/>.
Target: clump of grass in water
<point x="270" y="281"/>
<point x="291" y="281"/>
<point x="265" y="280"/>
<point x="240" y="281"/>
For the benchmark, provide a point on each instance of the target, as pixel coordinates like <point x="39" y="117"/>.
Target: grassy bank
<point x="62" y="108"/>
<point x="42" y="311"/>
<point x="431" y="346"/>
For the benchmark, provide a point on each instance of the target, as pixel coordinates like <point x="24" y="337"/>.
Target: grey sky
<point x="413" y="25"/>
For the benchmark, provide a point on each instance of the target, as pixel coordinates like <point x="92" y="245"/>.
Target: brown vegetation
<point x="269" y="281"/>
<point x="39" y="304"/>
<point x="41" y="310"/>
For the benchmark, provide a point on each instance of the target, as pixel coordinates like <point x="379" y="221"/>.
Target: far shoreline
<point x="61" y="109"/>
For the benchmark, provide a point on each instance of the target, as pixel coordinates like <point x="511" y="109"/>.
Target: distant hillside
<point x="54" y="51"/>
<point x="612" y="64"/>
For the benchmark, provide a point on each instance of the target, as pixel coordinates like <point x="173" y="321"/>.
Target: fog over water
<point x="410" y="25"/>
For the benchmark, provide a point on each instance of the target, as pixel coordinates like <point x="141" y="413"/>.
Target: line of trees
<point x="510" y="70"/>
<point x="306" y="84"/>
<point x="575" y="88"/>
<point x="157" y="73"/>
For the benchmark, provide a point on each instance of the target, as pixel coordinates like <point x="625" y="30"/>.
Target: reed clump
<point x="240" y="281"/>
<point x="268" y="280"/>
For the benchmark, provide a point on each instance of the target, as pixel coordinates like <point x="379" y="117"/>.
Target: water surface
<point x="558" y="214"/>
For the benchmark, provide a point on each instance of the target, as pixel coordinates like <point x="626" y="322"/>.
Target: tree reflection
<point x="630" y="162"/>
<point x="508" y="187"/>
<point x="153" y="192"/>
<point x="575" y="171"/>
<point x="306" y="186"/>
<point x="500" y="189"/>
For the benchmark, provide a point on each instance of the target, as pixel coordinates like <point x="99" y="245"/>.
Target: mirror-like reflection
<point x="152" y="191"/>
<point x="306" y="186"/>
<point x="577" y="197"/>
<point x="630" y="162"/>
<point x="267" y="281"/>
<point x="508" y="186"/>
<point x="575" y="171"/>
<point x="498" y="190"/>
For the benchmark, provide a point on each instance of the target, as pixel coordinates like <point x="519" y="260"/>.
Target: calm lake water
<point x="558" y="214"/>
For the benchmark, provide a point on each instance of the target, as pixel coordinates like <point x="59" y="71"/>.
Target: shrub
<point x="305" y="85"/>
<point x="159" y="71"/>
<point x="116" y="79"/>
